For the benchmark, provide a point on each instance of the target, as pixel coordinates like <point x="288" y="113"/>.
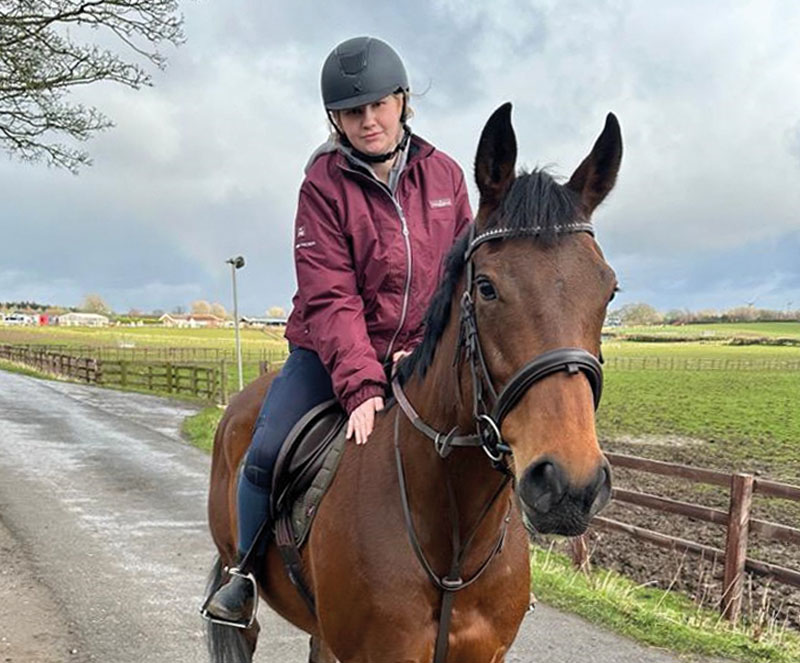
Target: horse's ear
<point x="596" y="175"/>
<point x="495" y="159"/>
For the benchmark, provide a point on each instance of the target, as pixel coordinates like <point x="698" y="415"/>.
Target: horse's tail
<point x="226" y="644"/>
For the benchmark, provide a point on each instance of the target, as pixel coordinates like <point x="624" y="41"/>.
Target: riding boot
<point x="234" y="601"/>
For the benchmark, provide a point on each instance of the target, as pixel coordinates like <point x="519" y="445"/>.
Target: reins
<point x="487" y="420"/>
<point x="452" y="582"/>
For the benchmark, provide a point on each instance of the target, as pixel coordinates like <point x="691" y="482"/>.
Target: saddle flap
<point x="303" y="452"/>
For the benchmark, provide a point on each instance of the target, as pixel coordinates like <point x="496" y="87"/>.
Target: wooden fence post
<point x="223" y="383"/>
<point x="169" y="377"/>
<point x="736" y="545"/>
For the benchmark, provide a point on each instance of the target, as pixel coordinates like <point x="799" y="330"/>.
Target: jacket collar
<point x="418" y="149"/>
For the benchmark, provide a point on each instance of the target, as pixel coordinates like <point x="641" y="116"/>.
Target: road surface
<point x="105" y="548"/>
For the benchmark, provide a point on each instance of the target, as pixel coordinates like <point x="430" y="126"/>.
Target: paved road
<point x="109" y="506"/>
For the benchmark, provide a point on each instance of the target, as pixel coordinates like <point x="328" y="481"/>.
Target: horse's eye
<point x="486" y="289"/>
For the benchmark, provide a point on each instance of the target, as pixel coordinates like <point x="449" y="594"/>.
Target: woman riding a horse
<point x="419" y="549"/>
<point x="378" y="211"/>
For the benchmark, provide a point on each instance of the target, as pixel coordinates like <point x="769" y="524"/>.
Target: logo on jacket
<point x="301" y="232"/>
<point x="437" y="203"/>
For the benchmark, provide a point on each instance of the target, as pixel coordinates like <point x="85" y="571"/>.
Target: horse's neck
<point x="473" y="479"/>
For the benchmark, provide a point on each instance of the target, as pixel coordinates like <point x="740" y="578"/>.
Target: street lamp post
<point x="237" y="263"/>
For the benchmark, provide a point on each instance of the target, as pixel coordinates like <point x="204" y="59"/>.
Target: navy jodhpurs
<point x="302" y="383"/>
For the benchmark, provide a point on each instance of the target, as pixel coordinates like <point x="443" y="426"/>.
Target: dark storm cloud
<point x="207" y="164"/>
<point x="766" y="273"/>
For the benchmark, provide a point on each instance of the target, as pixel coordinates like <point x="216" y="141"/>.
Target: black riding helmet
<point x="360" y="71"/>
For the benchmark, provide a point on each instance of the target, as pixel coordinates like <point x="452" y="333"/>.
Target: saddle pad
<point x="305" y="507"/>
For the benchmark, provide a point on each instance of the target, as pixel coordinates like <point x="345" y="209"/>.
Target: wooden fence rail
<point x="160" y="354"/>
<point x="737" y="520"/>
<point x="200" y="381"/>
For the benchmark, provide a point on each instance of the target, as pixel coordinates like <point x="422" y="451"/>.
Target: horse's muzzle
<point x="551" y="504"/>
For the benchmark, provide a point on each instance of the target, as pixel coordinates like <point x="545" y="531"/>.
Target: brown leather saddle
<point x="301" y="459"/>
<point x="303" y="453"/>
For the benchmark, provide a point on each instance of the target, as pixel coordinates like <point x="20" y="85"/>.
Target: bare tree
<point x="639" y="313"/>
<point x="276" y="312"/>
<point x="94" y="303"/>
<point x="41" y="60"/>
<point x="219" y="310"/>
<point x="201" y="307"/>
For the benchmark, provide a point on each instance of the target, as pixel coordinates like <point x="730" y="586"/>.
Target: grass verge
<point x="654" y="616"/>
<point x="199" y="428"/>
<point x="21" y="369"/>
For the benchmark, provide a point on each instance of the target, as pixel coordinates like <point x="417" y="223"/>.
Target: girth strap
<point x="284" y="539"/>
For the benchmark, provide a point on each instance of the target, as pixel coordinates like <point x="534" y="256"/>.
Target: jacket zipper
<point x="408" y="277"/>
<point x="405" y="232"/>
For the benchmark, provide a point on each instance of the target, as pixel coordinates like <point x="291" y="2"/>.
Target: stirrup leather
<point x="232" y="571"/>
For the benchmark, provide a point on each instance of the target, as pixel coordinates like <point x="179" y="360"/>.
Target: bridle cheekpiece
<point x="488" y="420"/>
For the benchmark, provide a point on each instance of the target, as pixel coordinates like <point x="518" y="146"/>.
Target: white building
<point x="191" y="320"/>
<point x="18" y="319"/>
<point x="83" y="320"/>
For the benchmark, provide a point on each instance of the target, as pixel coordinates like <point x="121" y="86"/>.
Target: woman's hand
<point x="362" y="419"/>
<point x="396" y="357"/>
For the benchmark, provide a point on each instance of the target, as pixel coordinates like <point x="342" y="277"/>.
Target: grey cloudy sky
<point x="207" y="164"/>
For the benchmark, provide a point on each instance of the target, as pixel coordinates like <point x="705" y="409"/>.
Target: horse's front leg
<point x="319" y="652"/>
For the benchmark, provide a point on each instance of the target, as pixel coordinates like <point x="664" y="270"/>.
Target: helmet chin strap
<point x="376" y="158"/>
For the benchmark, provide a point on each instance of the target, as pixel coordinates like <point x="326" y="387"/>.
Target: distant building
<point x="191" y="320"/>
<point x="18" y="319"/>
<point x="83" y="320"/>
<point x="264" y="322"/>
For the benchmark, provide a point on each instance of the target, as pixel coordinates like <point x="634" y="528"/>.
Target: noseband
<point x="488" y="421"/>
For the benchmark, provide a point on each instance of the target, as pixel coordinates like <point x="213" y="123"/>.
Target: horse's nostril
<point x="542" y="486"/>
<point x="600" y="491"/>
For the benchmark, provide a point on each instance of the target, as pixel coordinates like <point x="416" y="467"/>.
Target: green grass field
<point x="697" y="349"/>
<point x="789" y="329"/>
<point x="252" y="339"/>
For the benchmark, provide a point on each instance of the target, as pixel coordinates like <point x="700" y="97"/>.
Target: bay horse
<point x="510" y="356"/>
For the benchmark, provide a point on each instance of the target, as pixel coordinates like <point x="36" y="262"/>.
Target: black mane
<point x="534" y="201"/>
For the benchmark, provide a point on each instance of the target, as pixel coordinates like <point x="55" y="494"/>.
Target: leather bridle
<point x="488" y="420"/>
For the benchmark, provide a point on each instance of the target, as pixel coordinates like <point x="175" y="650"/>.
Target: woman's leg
<point x="302" y="383"/>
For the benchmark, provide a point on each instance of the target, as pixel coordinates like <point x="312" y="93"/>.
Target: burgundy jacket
<point x="368" y="262"/>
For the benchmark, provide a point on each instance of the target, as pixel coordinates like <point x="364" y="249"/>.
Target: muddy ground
<point x="701" y="579"/>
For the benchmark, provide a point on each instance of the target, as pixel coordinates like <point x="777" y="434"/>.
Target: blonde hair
<point x="333" y="132"/>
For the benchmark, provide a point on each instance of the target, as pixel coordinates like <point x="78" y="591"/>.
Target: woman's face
<point x="373" y="128"/>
